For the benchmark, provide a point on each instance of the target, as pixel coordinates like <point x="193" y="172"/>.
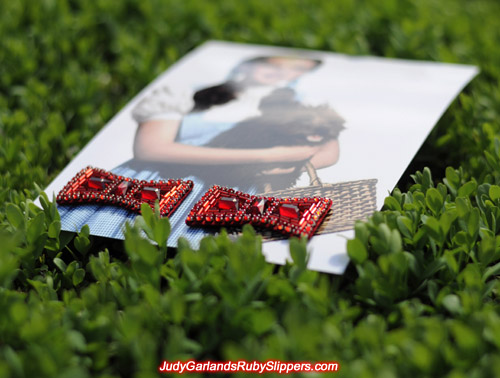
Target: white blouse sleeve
<point x="164" y="103"/>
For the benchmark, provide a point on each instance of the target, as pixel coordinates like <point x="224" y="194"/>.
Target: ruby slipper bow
<point x="225" y="207"/>
<point x="94" y="185"/>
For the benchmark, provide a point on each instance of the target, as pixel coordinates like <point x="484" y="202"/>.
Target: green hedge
<point x="419" y="299"/>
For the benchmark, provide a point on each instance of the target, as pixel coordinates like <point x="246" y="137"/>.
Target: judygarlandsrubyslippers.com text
<point x="271" y="366"/>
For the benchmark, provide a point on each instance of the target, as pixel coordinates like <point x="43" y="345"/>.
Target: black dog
<point x="284" y="122"/>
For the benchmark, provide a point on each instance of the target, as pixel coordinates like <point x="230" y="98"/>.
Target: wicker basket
<point x="352" y="201"/>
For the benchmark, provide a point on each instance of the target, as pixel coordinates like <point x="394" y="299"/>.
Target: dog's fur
<point x="284" y="122"/>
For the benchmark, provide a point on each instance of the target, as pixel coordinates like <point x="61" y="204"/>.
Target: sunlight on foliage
<point x="420" y="296"/>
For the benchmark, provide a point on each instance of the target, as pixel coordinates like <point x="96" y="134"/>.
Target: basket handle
<point x="313" y="175"/>
<point x="311" y="172"/>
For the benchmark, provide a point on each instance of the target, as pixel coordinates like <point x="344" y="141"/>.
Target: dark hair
<point x="223" y="93"/>
<point x="216" y="95"/>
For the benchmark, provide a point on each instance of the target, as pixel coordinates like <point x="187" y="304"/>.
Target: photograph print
<point x="274" y="122"/>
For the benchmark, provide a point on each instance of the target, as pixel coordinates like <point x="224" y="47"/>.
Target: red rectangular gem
<point x="228" y="204"/>
<point x="150" y="194"/>
<point x="97" y="183"/>
<point x="289" y="211"/>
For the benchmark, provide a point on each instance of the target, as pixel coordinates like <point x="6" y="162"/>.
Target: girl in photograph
<point x="251" y="132"/>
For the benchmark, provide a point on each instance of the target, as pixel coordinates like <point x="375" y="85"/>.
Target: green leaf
<point x="60" y="264"/>
<point x="492" y="161"/>
<point x="405" y="226"/>
<point x="452" y="303"/>
<point x="361" y="231"/>
<point x="82" y="241"/>
<point x="466" y="338"/>
<point x="78" y="276"/>
<point x="491" y="271"/>
<point x="433" y="228"/>
<point x="356" y="251"/>
<point x="395" y="242"/>
<point x="432" y="290"/>
<point x="452" y="178"/>
<point x="298" y="252"/>
<point x="451" y="261"/>
<point x="36" y="227"/>
<point x="76" y="340"/>
<point x="147" y="214"/>
<point x="14" y="215"/>
<point x="494" y="192"/>
<point x="467" y="189"/>
<point x="161" y="231"/>
<point x="433" y="268"/>
<point x="73" y="265"/>
<point x="392" y="204"/>
<point x="486" y="250"/>
<point x="140" y="249"/>
<point x="473" y="222"/>
<point x="434" y="200"/>
<point x="54" y="229"/>
<point x="13" y="360"/>
<point x="462" y="205"/>
<point x="44" y="201"/>
<point x="426" y="178"/>
<point x="64" y="238"/>
<point x="446" y="220"/>
<point x="85" y="231"/>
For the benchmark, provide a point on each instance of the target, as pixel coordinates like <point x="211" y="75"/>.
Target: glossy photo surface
<point x="269" y="122"/>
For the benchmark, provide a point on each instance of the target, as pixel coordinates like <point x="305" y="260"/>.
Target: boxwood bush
<point x="420" y="297"/>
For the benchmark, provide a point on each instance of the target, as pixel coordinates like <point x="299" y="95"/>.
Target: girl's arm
<point x="155" y="141"/>
<point x="327" y="155"/>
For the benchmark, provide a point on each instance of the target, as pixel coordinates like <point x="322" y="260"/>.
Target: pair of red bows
<point x="219" y="206"/>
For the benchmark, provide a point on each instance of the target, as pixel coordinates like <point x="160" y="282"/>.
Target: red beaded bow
<point x="226" y="207"/>
<point x="94" y="185"/>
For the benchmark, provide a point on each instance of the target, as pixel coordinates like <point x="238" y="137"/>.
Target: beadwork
<point x="225" y="207"/>
<point x="95" y="185"/>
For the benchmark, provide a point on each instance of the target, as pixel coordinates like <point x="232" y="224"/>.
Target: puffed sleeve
<point x="164" y="103"/>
